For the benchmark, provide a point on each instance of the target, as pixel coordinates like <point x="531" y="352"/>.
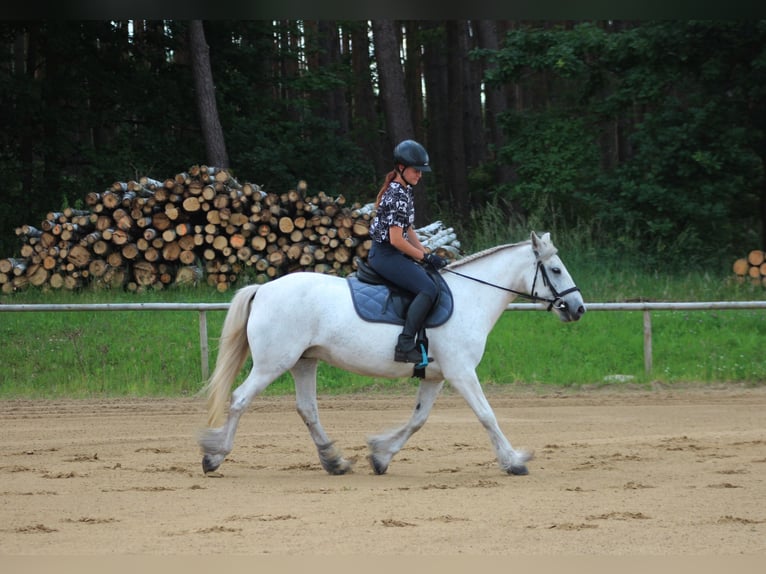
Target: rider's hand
<point x="434" y="261"/>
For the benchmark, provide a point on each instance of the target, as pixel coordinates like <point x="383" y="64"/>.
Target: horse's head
<point x="552" y="281"/>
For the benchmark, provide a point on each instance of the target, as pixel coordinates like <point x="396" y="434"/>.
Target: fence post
<point x="203" y="346"/>
<point x="647" y="342"/>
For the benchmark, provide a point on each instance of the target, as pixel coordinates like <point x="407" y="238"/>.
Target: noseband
<point x="556" y="300"/>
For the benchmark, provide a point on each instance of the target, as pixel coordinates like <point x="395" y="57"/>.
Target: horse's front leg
<point x="510" y="460"/>
<point x="305" y="375"/>
<point x="384" y="446"/>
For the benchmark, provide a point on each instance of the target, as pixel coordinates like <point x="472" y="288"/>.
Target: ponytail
<point x="389" y="178"/>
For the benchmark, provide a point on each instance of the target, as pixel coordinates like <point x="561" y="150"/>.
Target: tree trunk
<point x="286" y="51"/>
<point x="497" y="102"/>
<point x="366" y="124"/>
<point x="392" y="90"/>
<point x="457" y="174"/>
<point x="413" y="75"/>
<point x="212" y="133"/>
<point x="394" y="99"/>
<point x="27" y="67"/>
<point x="474" y="137"/>
<point x="435" y="76"/>
<point x="763" y="209"/>
<point x="329" y="58"/>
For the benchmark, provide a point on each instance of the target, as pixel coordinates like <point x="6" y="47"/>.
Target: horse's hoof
<point x="339" y="467"/>
<point x="519" y="470"/>
<point x="377" y="466"/>
<point x="208" y="465"/>
<point x="332" y="460"/>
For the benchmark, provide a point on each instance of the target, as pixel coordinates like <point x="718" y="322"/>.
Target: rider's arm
<point x="412" y="237"/>
<point x="410" y="247"/>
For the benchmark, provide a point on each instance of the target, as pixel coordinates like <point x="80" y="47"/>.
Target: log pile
<point x="751" y="268"/>
<point x="201" y="224"/>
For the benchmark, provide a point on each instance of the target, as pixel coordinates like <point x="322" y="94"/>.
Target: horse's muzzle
<point x="566" y="313"/>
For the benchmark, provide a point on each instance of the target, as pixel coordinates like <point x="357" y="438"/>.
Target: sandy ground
<point x="649" y="473"/>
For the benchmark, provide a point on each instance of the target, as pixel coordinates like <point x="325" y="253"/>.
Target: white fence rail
<point x="203" y="308"/>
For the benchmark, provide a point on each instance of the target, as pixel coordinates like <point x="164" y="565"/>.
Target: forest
<point x="636" y="137"/>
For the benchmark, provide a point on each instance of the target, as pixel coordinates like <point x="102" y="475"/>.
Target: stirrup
<point x="411" y="355"/>
<point x="416" y="355"/>
<point x="425" y="359"/>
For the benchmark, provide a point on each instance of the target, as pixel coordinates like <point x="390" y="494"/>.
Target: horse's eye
<point x="556" y="270"/>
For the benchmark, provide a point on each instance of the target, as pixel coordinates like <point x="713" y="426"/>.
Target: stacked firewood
<point x="201" y="224"/>
<point x="752" y="267"/>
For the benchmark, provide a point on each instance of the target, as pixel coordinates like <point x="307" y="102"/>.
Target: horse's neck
<point x="506" y="269"/>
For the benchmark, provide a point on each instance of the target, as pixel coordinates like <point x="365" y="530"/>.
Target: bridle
<point x="539" y="271"/>
<point x="547" y="282"/>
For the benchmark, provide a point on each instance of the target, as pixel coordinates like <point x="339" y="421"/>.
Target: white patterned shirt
<point x="397" y="207"/>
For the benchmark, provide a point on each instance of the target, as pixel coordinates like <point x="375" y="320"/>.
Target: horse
<point x="297" y="320"/>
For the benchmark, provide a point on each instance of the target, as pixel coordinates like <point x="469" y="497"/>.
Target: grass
<point x="696" y="346"/>
<point x="142" y="353"/>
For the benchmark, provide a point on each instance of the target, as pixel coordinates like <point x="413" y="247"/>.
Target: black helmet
<point x="411" y="154"/>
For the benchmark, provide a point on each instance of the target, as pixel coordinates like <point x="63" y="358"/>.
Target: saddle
<point x="379" y="301"/>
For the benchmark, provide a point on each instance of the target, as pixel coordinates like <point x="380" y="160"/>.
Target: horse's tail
<point x="233" y="350"/>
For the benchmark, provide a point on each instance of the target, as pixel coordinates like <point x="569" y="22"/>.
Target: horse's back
<point x="302" y="292"/>
<point x="302" y="281"/>
<point x="311" y="315"/>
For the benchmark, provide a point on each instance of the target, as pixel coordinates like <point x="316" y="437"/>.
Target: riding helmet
<point x="411" y="154"/>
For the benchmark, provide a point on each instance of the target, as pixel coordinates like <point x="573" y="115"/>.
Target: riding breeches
<point x="400" y="270"/>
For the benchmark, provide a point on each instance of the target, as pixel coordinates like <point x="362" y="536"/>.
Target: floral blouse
<point x="397" y="207"/>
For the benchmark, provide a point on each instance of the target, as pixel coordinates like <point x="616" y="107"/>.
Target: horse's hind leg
<point x="384" y="446"/>
<point x="305" y="375"/>
<point x="216" y="443"/>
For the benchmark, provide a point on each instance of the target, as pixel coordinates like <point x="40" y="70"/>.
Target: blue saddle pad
<point x="381" y="304"/>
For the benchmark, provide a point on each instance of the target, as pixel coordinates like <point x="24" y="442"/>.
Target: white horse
<point x="295" y="321"/>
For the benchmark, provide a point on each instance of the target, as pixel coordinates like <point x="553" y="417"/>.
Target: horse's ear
<point x="535" y="244"/>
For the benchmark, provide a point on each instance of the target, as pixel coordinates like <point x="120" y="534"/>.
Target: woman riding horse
<point x="396" y="249"/>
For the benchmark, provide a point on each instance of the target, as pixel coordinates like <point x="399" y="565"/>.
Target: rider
<point x="396" y="251"/>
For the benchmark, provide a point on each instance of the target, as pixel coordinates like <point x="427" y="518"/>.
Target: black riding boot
<point x="406" y="348"/>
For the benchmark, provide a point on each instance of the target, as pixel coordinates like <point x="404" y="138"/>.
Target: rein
<point x="532" y="297"/>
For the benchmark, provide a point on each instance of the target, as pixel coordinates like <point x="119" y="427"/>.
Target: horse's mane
<point x="485" y="252"/>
